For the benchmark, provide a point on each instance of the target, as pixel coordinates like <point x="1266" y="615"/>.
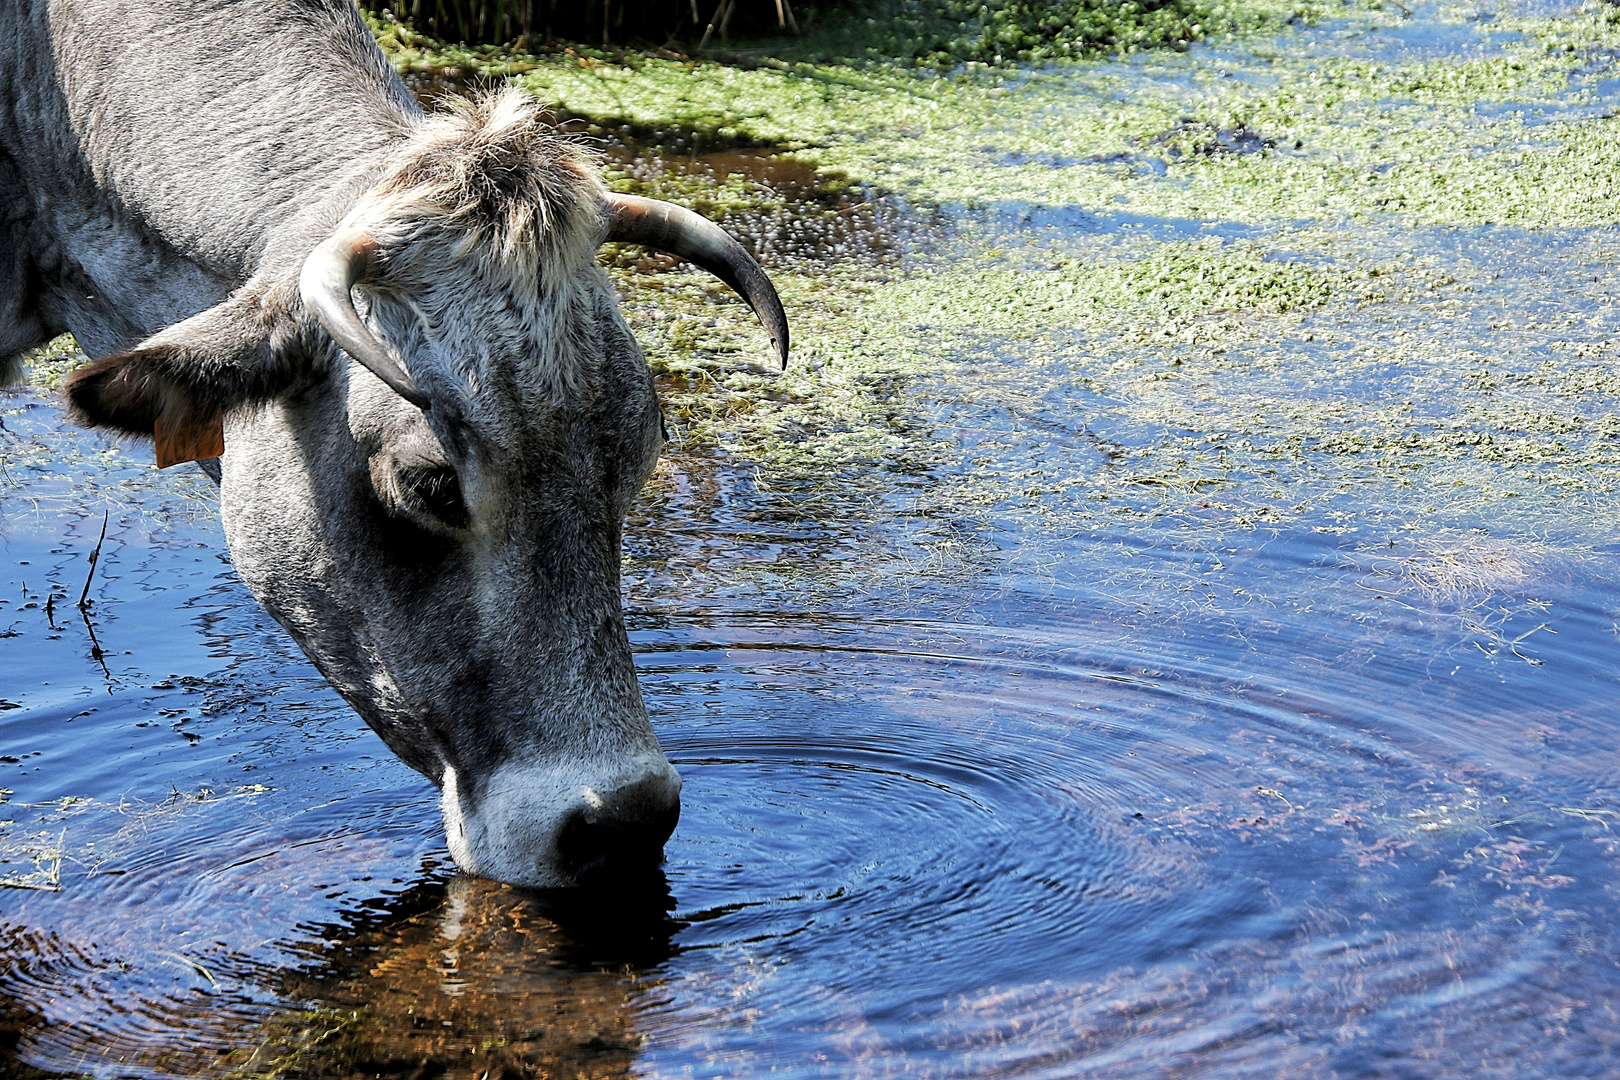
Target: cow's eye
<point x="426" y="492"/>
<point x="434" y="489"/>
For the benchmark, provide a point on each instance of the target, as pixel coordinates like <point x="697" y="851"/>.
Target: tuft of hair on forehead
<point x="493" y="167"/>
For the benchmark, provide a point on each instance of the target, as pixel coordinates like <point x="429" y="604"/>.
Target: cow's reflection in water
<point x="489" y="980"/>
<point x="466" y="978"/>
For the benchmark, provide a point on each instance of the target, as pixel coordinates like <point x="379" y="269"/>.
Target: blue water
<point x="1328" y="830"/>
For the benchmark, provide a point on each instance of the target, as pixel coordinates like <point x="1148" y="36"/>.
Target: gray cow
<point x="434" y="416"/>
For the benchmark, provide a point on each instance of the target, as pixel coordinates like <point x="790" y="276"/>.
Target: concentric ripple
<point x="954" y="862"/>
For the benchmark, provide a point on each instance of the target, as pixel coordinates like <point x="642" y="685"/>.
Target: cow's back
<point x="163" y="150"/>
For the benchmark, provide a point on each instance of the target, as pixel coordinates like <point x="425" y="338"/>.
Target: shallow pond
<point x="1229" y="697"/>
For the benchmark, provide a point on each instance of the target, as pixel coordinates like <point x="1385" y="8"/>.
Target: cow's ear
<point x="231" y="353"/>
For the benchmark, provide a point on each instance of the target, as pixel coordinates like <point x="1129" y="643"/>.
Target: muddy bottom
<point x="1231" y="694"/>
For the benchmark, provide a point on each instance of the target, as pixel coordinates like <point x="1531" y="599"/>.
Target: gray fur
<point x="165" y="168"/>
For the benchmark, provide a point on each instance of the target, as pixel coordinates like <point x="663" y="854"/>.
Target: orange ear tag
<point x="194" y="437"/>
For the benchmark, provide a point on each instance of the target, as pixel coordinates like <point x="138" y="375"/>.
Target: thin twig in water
<point x="84" y="597"/>
<point x="96" y="652"/>
<point x="193" y="965"/>
<point x="859" y="205"/>
<point x="1275" y="794"/>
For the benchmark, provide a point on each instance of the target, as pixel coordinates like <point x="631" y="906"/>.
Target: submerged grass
<point x="52" y="845"/>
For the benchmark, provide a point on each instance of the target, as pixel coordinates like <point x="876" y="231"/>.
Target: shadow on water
<point x="784" y="208"/>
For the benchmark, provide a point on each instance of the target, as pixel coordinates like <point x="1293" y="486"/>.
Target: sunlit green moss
<point x="950" y="32"/>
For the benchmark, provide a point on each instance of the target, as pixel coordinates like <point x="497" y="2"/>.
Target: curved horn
<point x="329" y="273"/>
<point x="701" y="242"/>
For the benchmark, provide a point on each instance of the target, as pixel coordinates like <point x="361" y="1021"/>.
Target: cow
<point x="389" y="324"/>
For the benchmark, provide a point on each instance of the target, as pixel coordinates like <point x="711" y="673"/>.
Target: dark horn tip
<point x="690" y="236"/>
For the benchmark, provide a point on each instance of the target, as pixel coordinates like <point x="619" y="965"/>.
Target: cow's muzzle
<point x="562" y="825"/>
<point x="621" y="834"/>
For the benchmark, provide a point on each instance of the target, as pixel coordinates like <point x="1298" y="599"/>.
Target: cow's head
<point x="438" y="524"/>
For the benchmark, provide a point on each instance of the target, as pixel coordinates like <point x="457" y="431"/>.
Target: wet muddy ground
<point x="1164" y="624"/>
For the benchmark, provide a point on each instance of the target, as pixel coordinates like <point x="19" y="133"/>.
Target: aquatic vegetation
<point x="950" y="32"/>
<point x="1171" y="282"/>
<point x="1326" y="137"/>
<point x="49" y="364"/>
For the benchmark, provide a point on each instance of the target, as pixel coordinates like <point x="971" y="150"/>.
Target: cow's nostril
<point x="625" y="834"/>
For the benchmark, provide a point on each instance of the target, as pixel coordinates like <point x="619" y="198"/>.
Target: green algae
<point x="1424" y="125"/>
<point x="1171" y="282"/>
<point x="947" y="33"/>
